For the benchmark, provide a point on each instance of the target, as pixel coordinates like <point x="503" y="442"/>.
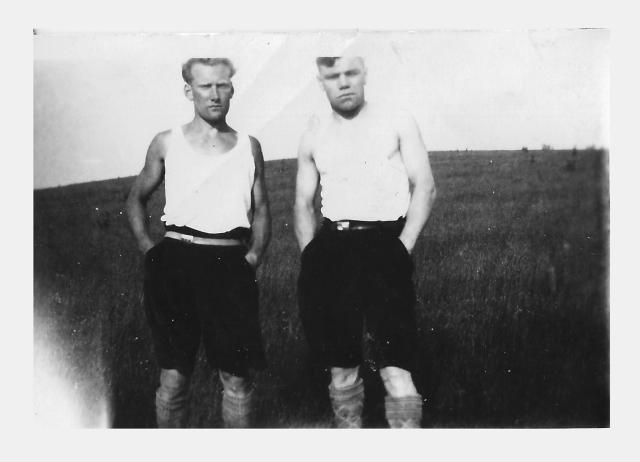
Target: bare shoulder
<point x="310" y="135"/>
<point x="159" y="144"/>
<point x="401" y="118"/>
<point x="397" y="118"/>
<point x="256" y="148"/>
<point x="255" y="144"/>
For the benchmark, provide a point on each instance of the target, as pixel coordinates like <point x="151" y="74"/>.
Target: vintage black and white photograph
<point x="321" y="229"/>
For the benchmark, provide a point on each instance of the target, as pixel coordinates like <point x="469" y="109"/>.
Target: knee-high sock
<point x="171" y="413"/>
<point x="403" y="412"/>
<point x="236" y="410"/>
<point x="347" y="405"/>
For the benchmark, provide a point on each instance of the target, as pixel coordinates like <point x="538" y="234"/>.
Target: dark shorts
<point x="194" y="292"/>
<point x="355" y="283"/>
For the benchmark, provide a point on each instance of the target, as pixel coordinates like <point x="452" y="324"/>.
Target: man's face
<point x="344" y="83"/>
<point x="210" y="90"/>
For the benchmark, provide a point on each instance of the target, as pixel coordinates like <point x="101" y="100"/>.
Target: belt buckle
<point x="186" y="238"/>
<point x="342" y="225"/>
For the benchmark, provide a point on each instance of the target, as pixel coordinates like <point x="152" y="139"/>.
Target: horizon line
<point x="432" y="151"/>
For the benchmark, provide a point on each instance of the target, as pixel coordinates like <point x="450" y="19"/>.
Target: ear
<point x="364" y="75"/>
<point x="188" y="91"/>
<point x="319" y="79"/>
<point x="233" y="90"/>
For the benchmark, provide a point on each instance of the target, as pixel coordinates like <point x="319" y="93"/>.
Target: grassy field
<point x="511" y="276"/>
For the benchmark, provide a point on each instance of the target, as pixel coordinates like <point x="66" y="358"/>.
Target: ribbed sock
<point x="171" y="413"/>
<point x="403" y="412"/>
<point x="236" y="410"/>
<point x="347" y="405"/>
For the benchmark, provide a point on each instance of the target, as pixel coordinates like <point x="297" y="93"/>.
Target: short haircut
<point x="330" y="61"/>
<point x="327" y="61"/>
<point x="186" y="67"/>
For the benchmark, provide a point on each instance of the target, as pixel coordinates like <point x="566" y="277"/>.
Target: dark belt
<point x="356" y="225"/>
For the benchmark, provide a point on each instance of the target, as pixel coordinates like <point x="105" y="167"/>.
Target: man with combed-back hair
<point x="200" y="280"/>
<point x="377" y="191"/>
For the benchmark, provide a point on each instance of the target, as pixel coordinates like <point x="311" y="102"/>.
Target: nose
<point x="342" y="82"/>
<point x="215" y="96"/>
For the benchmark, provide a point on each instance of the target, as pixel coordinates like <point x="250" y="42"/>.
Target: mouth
<point x="346" y="95"/>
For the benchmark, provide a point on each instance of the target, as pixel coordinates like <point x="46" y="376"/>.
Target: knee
<point x="235" y="385"/>
<point x="398" y="382"/>
<point x="343" y="377"/>
<point x="172" y="384"/>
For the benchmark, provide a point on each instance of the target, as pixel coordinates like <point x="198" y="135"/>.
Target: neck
<point x="350" y="114"/>
<point x="210" y="126"/>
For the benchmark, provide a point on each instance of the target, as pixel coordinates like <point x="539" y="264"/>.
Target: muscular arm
<point x="261" y="223"/>
<point x="145" y="183"/>
<point x="421" y="183"/>
<point x="306" y="185"/>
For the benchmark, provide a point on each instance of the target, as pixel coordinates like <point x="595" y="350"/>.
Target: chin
<point x="215" y="117"/>
<point x="347" y="107"/>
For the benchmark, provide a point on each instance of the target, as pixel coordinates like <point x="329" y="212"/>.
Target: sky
<point x="99" y="98"/>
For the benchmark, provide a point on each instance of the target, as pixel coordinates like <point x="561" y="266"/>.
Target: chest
<point x="212" y="146"/>
<point x="359" y="149"/>
<point x="187" y="165"/>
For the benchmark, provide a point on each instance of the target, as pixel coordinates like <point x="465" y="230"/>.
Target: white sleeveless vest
<point x="362" y="178"/>
<point x="210" y="193"/>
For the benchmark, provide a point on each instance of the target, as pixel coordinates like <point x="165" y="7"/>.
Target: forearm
<point x="304" y="224"/>
<point x="136" y="213"/>
<point x="420" y="205"/>
<point x="260" y="232"/>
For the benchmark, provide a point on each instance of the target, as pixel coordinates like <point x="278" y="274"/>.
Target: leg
<point x="397" y="382"/>
<point x="347" y="397"/>
<point x="236" y="400"/>
<point x="403" y="404"/>
<point x="173" y="328"/>
<point x="171" y="399"/>
<point x="228" y="311"/>
<point x="332" y="321"/>
<point x="392" y="324"/>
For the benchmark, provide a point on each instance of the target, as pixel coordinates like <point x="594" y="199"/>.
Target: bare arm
<point x="261" y="223"/>
<point x="421" y="183"/>
<point x="143" y="186"/>
<point x="306" y="185"/>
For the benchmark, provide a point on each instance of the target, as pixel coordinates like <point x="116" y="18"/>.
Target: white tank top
<point x="362" y="175"/>
<point x="210" y="193"/>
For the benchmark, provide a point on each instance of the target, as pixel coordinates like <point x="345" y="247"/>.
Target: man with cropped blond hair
<point x="200" y="280"/>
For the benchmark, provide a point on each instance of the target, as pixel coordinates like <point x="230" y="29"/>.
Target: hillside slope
<point x="511" y="276"/>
